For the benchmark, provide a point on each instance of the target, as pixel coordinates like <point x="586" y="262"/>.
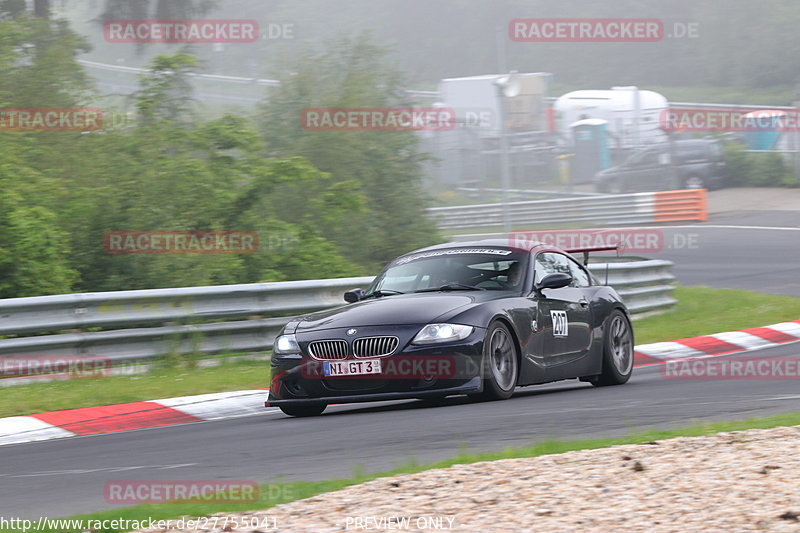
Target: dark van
<point x="699" y="164"/>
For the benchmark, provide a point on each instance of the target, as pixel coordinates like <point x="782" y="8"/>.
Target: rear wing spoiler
<point x="586" y="251"/>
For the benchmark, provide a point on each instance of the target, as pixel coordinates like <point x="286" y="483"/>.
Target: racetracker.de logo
<point x="628" y="240"/>
<point x="180" y="242"/>
<point x="181" y="31"/>
<point x="729" y="119"/>
<point x="733" y="368"/>
<point x="406" y="367"/>
<point x="141" y="492"/>
<point x="378" y="119"/>
<point x="67" y="366"/>
<point x="536" y="30"/>
<point x="50" y="119"/>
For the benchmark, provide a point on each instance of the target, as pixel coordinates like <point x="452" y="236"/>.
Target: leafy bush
<point x="753" y="169"/>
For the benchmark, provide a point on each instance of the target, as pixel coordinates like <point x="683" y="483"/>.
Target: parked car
<point x="698" y="164"/>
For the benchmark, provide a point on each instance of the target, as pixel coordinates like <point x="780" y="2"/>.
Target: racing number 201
<point x="560" y="323"/>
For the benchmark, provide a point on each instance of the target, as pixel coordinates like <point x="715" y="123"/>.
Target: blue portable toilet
<point x="590" y="139"/>
<point x="763" y="128"/>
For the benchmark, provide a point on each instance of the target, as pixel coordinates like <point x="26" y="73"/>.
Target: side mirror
<point x="353" y="295"/>
<point x="554" y="281"/>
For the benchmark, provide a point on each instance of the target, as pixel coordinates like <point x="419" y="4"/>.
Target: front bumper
<point x="413" y="372"/>
<point x="473" y="385"/>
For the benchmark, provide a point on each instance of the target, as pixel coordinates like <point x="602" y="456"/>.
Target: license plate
<point x="351" y="368"/>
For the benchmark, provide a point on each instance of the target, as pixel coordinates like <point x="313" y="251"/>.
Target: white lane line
<point x="771" y="228"/>
<point x="701" y="225"/>
<point x="681" y="226"/>
<point x="793" y="397"/>
<point x="109" y="469"/>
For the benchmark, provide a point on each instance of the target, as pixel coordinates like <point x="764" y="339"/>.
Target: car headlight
<point x="442" y="333"/>
<point x="285" y="344"/>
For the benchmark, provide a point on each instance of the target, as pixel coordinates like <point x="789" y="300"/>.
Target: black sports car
<point x="475" y="318"/>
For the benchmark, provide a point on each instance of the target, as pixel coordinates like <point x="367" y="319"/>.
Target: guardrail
<point x="40" y="314"/>
<point x="645" y="285"/>
<point x="220" y="78"/>
<point x="618" y="209"/>
<point x="473" y="191"/>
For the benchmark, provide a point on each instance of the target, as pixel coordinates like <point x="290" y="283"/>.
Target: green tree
<point x="383" y="167"/>
<point x="174" y="172"/>
<point x="38" y="61"/>
<point x="166" y="93"/>
<point x="33" y="246"/>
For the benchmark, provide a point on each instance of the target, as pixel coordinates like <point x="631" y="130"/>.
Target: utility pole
<point x="41" y="8"/>
<point x="502" y="85"/>
<point x="796" y="135"/>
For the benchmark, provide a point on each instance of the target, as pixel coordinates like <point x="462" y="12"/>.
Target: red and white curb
<point x="128" y="416"/>
<point x="182" y="410"/>
<point x="718" y="344"/>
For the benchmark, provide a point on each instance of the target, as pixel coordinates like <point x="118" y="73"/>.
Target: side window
<point x="694" y="153"/>
<point x="579" y="276"/>
<point x="550" y="263"/>
<point x="649" y="159"/>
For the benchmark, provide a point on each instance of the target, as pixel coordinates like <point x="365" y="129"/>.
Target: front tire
<point x="617" y="351"/>
<point x="303" y="410"/>
<point x="500" y="364"/>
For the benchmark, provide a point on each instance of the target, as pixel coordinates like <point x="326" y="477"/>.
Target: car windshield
<point x="457" y="269"/>
<point x="641" y="158"/>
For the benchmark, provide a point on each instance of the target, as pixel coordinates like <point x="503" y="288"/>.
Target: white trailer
<point x="633" y="115"/>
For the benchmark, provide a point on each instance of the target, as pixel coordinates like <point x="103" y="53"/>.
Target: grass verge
<point x="278" y="493"/>
<point x="158" y="383"/>
<point x="700" y="311"/>
<point x="703" y="311"/>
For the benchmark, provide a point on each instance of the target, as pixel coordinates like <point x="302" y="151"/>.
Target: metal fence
<point x="197" y="320"/>
<point x="522" y="193"/>
<point x="619" y="209"/>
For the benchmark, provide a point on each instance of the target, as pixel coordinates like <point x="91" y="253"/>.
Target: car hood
<point x="402" y="309"/>
<point x="610" y="171"/>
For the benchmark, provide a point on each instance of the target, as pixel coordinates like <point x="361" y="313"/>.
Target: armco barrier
<point x="40" y="314"/>
<point x="618" y="209"/>
<point x="681" y="206"/>
<point x="645" y="285"/>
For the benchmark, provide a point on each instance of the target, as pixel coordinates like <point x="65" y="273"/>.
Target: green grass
<point x="277" y="493"/>
<point x="700" y="311"/>
<point x="704" y="311"/>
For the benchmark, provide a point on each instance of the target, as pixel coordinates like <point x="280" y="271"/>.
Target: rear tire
<point x="303" y="410"/>
<point x="617" y="351"/>
<point x="500" y="364"/>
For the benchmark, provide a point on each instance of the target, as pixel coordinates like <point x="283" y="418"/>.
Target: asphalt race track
<point x="761" y="259"/>
<point x="66" y="477"/>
